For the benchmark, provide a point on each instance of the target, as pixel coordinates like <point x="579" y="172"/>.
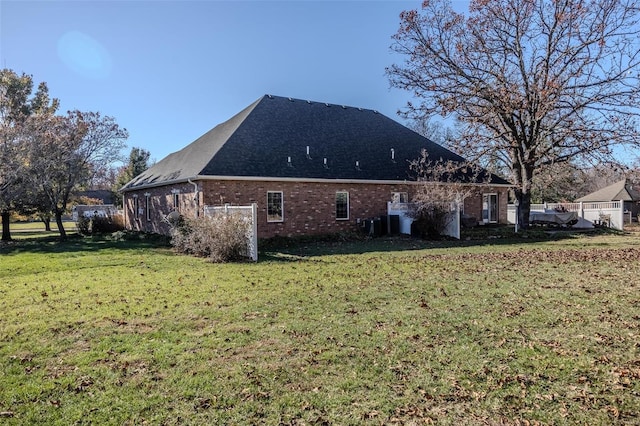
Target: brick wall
<point x="161" y="203"/>
<point x="473" y="204"/>
<point x="309" y="208"/>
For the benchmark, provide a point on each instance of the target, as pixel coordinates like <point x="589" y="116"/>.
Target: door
<point x="490" y="208"/>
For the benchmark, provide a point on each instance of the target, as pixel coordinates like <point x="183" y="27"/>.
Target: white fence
<point x="249" y="213"/>
<point x="101" y="210"/>
<point x="609" y="214"/>
<point x="402" y="209"/>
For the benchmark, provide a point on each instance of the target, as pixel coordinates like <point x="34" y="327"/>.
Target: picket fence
<point x="609" y="214"/>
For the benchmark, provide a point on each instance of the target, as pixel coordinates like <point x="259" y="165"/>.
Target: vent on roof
<point x="324" y="163"/>
<point x="375" y="112"/>
<point x="344" y="107"/>
<point x="327" y="105"/>
<point x="269" y="96"/>
<point x="309" y="102"/>
<point x="289" y="163"/>
<point x="308" y="153"/>
<point x="290" y="100"/>
<point x="358" y="165"/>
<point x="393" y="155"/>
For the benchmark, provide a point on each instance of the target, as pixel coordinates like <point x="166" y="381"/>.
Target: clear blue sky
<point x="169" y="71"/>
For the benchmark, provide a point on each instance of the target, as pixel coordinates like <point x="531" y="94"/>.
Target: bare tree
<point x="442" y="183"/>
<point x="533" y="82"/>
<point x="433" y="130"/>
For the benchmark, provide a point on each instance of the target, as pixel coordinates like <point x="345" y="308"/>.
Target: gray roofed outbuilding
<point x="621" y="190"/>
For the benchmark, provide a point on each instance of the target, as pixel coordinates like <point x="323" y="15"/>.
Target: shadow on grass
<point x="289" y="249"/>
<point x="293" y="249"/>
<point x="51" y="243"/>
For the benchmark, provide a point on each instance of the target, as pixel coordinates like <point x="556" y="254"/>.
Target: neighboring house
<point x="622" y="190"/>
<point x="311" y="168"/>
<point x="104" y="196"/>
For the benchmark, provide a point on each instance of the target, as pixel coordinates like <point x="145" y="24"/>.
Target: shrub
<point x="221" y="238"/>
<point x="83" y="225"/>
<point x="430" y="220"/>
<point x="106" y="225"/>
<point x="96" y="224"/>
<point x="441" y="184"/>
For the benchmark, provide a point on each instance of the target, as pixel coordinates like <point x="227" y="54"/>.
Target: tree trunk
<point x="6" y="232"/>
<point x="47" y="223"/>
<point x="523" y="195"/>
<point x="63" y="233"/>
<point x="524" y="208"/>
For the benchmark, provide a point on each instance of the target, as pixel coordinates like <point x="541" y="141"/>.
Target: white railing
<point x="609" y="214"/>
<point x="249" y="213"/>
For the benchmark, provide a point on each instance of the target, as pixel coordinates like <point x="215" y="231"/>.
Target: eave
<point x="290" y="179"/>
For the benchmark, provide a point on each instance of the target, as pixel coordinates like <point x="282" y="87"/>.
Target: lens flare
<point x="84" y="55"/>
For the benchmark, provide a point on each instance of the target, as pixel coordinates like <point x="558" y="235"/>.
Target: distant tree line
<point x="47" y="157"/>
<point x="554" y="183"/>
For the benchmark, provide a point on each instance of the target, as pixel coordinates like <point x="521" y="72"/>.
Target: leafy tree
<point x="62" y="152"/>
<point x="138" y="163"/>
<point x="532" y="82"/>
<point x="17" y="104"/>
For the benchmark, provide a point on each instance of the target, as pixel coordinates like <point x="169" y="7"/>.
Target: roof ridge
<point x="311" y="102"/>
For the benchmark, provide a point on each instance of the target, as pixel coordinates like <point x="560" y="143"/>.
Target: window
<point x="399" y="197"/>
<point x="136" y="207"/>
<point x="176" y="199"/>
<point x="275" y="206"/>
<point x="342" y="205"/>
<point x="147" y="205"/>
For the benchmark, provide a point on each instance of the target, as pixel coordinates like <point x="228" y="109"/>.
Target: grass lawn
<point x="387" y="331"/>
<point x="23" y="230"/>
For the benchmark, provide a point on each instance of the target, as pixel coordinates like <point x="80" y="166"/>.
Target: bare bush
<point x="220" y="238"/>
<point x="443" y="184"/>
<point x="97" y="224"/>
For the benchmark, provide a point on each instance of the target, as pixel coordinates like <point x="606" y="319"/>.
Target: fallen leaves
<point x="556" y="257"/>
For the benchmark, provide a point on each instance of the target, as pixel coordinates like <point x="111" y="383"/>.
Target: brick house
<point x="311" y="168"/>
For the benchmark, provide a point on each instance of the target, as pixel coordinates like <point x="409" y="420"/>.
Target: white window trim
<point x="348" y="205"/>
<point x="281" y="207"/>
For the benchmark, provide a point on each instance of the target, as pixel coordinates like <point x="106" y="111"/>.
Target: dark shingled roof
<point x="269" y="139"/>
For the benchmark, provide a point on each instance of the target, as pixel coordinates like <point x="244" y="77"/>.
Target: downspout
<point x="196" y="196"/>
